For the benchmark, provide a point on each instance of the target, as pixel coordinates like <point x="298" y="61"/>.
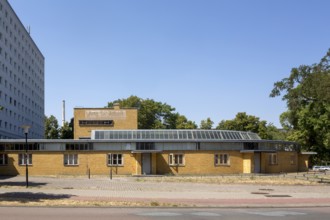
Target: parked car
<point x="321" y="168"/>
<point x="324" y="168"/>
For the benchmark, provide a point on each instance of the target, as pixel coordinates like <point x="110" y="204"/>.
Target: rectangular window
<point x="96" y="122"/>
<point x="145" y="146"/>
<point x="176" y="160"/>
<point x="272" y="159"/>
<point x="24" y="159"/>
<point x="70" y="159"/>
<point x="115" y="160"/>
<point x="78" y="147"/>
<point x="3" y="159"/>
<point x="221" y="159"/>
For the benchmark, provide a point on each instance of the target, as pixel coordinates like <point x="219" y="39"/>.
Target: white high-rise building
<point x="22" y="81"/>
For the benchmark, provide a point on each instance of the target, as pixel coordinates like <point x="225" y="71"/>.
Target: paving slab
<point x="130" y="189"/>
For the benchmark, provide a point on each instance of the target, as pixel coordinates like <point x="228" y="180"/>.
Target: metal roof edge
<point x="308" y="153"/>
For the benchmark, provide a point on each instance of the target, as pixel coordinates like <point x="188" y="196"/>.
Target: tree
<point x="51" y="127"/>
<point x="152" y="114"/>
<point x="155" y="115"/>
<point x="244" y="122"/>
<point x="307" y="94"/>
<point x="206" y="124"/>
<point x="66" y="131"/>
<point x="183" y="123"/>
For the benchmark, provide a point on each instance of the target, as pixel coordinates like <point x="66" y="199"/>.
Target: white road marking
<point x="276" y="213"/>
<point x="207" y="214"/>
<point x="160" y="214"/>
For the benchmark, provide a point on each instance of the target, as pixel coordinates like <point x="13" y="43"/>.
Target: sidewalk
<point x="129" y="190"/>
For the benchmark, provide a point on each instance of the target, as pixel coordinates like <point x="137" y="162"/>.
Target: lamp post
<point x="26" y="131"/>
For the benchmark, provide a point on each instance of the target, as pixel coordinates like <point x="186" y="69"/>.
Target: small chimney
<point x="63" y="113"/>
<point x="116" y="106"/>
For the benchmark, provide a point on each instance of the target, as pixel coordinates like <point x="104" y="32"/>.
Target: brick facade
<point x="195" y="163"/>
<point x="122" y="119"/>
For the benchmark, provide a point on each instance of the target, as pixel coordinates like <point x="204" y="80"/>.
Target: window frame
<point x="22" y="159"/>
<point x="176" y="159"/>
<point x="221" y="159"/>
<point x="272" y="159"/>
<point x="3" y="159"/>
<point x="71" y="160"/>
<point x="112" y="157"/>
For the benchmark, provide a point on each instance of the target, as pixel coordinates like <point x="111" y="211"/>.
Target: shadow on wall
<point x="10" y="169"/>
<point x="26" y="197"/>
<point x="163" y="167"/>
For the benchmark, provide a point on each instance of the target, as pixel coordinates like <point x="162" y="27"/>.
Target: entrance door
<point x="257" y="162"/>
<point x="146" y="163"/>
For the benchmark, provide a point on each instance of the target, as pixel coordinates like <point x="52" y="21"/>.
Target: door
<point x="257" y="163"/>
<point x="146" y="163"/>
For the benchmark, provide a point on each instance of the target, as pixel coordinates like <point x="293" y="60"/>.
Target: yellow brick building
<point x="162" y="152"/>
<point x="88" y="119"/>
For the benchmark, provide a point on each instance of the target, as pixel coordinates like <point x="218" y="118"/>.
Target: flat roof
<point x="161" y="136"/>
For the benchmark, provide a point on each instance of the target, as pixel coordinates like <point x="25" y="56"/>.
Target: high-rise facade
<point x="21" y="78"/>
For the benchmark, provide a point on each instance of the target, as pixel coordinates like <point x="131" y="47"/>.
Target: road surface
<point x="38" y="213"/>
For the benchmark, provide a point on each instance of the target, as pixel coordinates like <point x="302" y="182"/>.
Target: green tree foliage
<point x="153" y="114"/>
<point x="66" y="131"/>
<point x="206" y="124"/>
<point x="244" y="122"/>
<point x="183" y="123"/>
<point x="307" y="94"/>
<point x="51" y="127"/>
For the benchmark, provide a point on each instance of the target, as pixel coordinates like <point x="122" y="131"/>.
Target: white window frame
<point x="115" y="159"/>
<point x="70" y="160"/>
<point x="222" y="159"/>
<point x="176" y="159"/>
<point x="24" y="158"/>
<point x="272" y="159"/>
<point x="3" y="159"/>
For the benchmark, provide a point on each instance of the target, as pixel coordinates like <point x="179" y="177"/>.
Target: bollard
<point x="89" y="173"/>
<point x="111" y="173"/>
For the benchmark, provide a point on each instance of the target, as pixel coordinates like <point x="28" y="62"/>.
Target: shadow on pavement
<point x="26" y="197"/>
<point x="6" y="177"/>
<point x="21" y="183"/>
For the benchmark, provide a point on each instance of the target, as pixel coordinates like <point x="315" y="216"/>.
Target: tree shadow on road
<point x="20" y="184"/>
<point x="12" y="181"/>
<point x="26" y="197"/>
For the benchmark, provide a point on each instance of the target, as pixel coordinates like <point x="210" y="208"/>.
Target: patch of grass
<point x="154" y="203"/>
<point x="79" y="203"/>
<point x="234" y="179"/>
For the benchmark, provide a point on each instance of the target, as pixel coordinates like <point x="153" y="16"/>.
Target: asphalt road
<point x="37" y="213"/>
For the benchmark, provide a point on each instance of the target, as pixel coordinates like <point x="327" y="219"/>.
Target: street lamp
<point x="26" y="131"/>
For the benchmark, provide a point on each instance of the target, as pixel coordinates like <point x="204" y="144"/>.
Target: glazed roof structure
<point x="174" y="135"/>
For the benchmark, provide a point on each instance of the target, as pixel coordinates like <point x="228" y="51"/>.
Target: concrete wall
<point x="22" y="84"/>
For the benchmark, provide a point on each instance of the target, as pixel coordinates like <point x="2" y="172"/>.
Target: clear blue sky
<point x="206" y="58"/>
